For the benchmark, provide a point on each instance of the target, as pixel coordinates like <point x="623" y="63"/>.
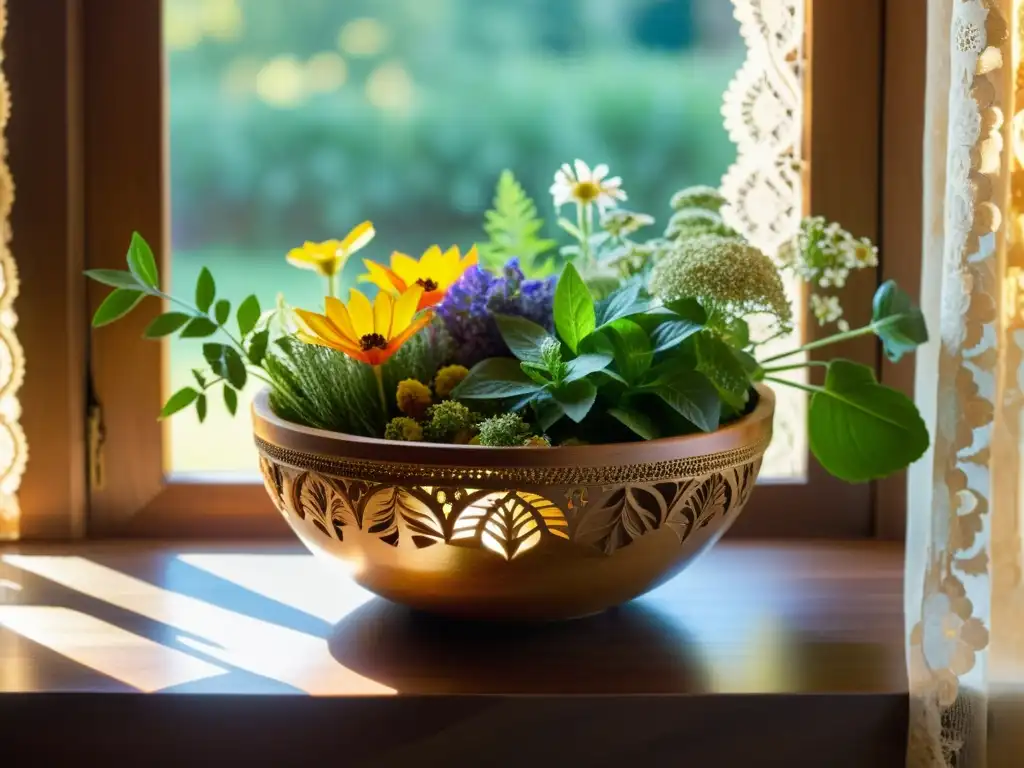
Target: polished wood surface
<point x="756" y="655"/>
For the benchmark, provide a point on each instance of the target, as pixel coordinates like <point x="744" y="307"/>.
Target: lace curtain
<point x="964" y="591"/>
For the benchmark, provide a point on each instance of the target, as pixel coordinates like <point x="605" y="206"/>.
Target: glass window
<point x="293" y="120"/>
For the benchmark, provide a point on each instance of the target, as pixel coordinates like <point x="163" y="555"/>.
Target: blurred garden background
<point x="293" y="120"/>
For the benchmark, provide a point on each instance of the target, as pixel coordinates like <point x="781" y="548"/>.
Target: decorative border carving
<point x="13" y="446"/>
<point x="508" y="522"/>
<point x="383" y="472"/>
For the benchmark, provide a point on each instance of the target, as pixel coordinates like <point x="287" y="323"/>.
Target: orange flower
<point x="435" y="271"/>
<point x="370" y="333"/>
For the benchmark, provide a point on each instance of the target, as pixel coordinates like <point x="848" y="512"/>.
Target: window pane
<point x="293" y="120"/>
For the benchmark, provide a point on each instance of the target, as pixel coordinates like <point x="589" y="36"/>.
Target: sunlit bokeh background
<point x="296" y="119"/>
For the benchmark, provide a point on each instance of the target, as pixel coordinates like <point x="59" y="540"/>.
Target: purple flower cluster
<point x="468" y="309"/>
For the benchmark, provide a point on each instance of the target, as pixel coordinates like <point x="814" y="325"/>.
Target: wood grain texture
<point x="767" y="654"/>
<point x="902" y="195"/>
<point x="42" y="63"/>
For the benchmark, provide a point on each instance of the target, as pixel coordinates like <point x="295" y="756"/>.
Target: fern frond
<point x="513" y="228"/>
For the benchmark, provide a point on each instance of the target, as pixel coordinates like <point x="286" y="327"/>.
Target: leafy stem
<point x="870" y="328"/>
<point x="795" y="366"/>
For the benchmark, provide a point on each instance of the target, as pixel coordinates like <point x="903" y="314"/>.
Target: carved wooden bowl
<point x="510" y="533"/>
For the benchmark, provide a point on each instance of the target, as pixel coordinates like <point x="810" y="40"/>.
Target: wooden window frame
<point x="115" y="171"/>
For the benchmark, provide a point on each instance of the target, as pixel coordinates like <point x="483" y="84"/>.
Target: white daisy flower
<point x="584" y="186"/>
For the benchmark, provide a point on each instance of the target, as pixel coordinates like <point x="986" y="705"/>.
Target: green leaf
<point x="573" y="308"/>
<point x="200" y="379"/>
<point x="258" y="346"/>
<point x="548" y="411"/>
<point x="230" y="399"/>
<point x="897" y="321"/>
<point x="235" y="371"/>
<point x="523" y="337"/>
<point x="638" y="422"/>
<point x="201" y="408"/>
<point x="166" y="324"/>
<point x="226" y="363"/>
<point x="118" y="303"/>
<point x="222" y="311"/>
<point x="206" y="290"/>
<point x="180" y="399"/>
<point x="623" y="302"/>
<point x="584" y="365"/>
<point x="495" y="378"/>
<point x="199" y="328"/>
<point x="576" y="398"/>
<point x="688" y="309"/>
<point x="672" y="333"/>
<point x="861" y="430"/>
<point x="248" y="314"/>
<point x="736" y="333"/>
<point x="116" y="278"/>
<point x="692" y="396"/>
<point x="141" y="261"/>
<point x="513" y="228"/>
<point x="718" y="361"/>
<point x="633" y="354"/>
<point x="535" y="372"/>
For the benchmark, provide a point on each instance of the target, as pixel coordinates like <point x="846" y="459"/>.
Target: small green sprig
<point x="230" y="364"/>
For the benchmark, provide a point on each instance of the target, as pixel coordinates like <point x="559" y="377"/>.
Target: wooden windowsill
<point x="759" y="654"/>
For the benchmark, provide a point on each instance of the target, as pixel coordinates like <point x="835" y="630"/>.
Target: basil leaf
<point x="639" y="423"/>
<point x="633" y="354"/>
<point x="201" y="408"/>
<point x="691" y="395"/>
<point x="548" y="411"/>
<point x="861" y="430"/>
<point x="535" y="372"/>
<point x="523" y="337"/>
<point x="622" y="303"/>
<point x="141" y="261"/>
<point x="897" y="321"/>
<point x="118" y="303"/>
<point x="180" y="399"/>
<point x="672" y="333"/>
<point x="248" y="314"/>
<point x="718" y="361"/>
<point x="575" y="318"/>
<point x="495" y="378"/>
<point x="576" y="398"/>
<point x="584" y="365"/>
<point x="166" y="324"/>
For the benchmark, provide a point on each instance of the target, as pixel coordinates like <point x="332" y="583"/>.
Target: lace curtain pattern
<point x="763" y="110"/>
<point x="13" y="448"/>
<point x="964" y="594"/>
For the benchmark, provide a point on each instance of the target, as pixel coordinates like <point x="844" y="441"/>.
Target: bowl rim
<point x="747" y="435"/>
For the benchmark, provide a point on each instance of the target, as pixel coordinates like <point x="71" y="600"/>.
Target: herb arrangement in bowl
<point x="535" y="428"/>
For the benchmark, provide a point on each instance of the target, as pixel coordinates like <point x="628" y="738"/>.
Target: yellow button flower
<point x="435" y="272"/>
<point x="329" y="257"/>
<point x="371" y="333"/>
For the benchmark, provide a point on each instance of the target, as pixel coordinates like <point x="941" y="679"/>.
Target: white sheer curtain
<point x="964" y="590"/>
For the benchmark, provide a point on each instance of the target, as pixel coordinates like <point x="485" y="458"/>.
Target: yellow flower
<point x="435" y="272"/>
<point x="328" y="258"/>
<point x="448" y="378"/>
<point x="413" y="398"/>
<point x="371" y="333"/>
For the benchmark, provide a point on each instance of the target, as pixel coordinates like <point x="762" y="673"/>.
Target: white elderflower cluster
<point x="823" y="255"/>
